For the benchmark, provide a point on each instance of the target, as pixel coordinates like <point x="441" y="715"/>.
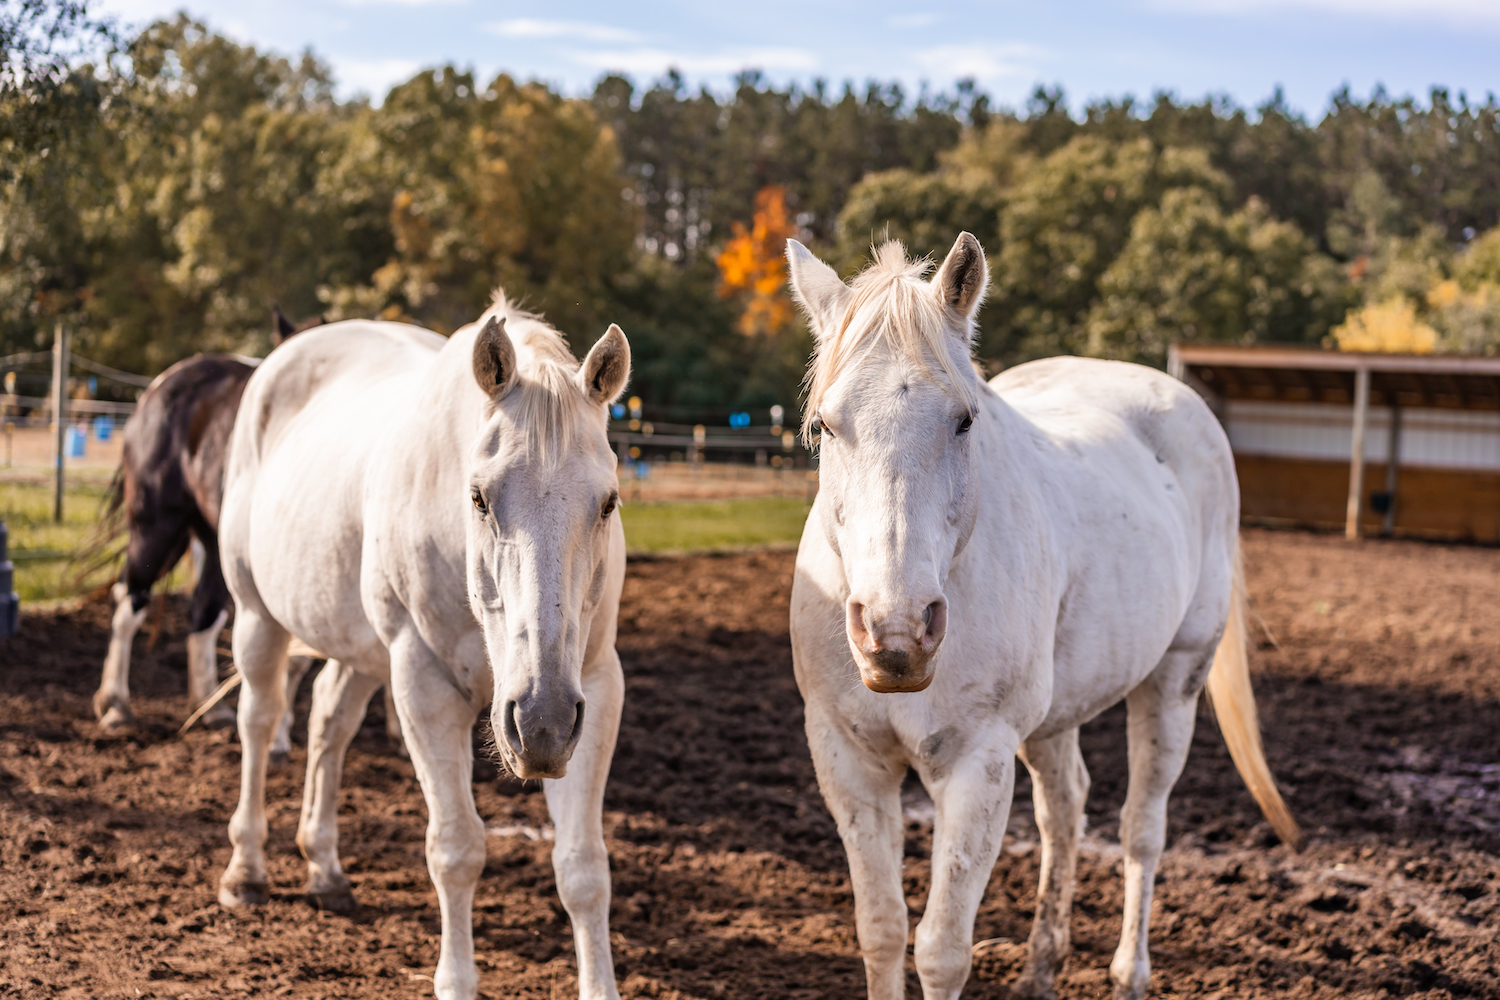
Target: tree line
<point x="161" y="196"/>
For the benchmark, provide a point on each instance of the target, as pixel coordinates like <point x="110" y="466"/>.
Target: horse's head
<point x="893" y="395"/>
<point x="541" y="521"/>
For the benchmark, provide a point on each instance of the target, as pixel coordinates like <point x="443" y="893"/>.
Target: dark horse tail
<point x="106" y="543"/>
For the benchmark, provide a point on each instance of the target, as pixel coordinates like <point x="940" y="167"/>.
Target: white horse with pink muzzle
<point x="986" y="568"/>
<point x="439" y="513"/>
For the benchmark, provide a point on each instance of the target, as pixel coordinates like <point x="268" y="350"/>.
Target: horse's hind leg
<point x="393" y="726"/>
<point x="1162" y="711"/>
<point x="340" y="695"/>
<point x="260" y="651"/>
<point x="206" y="616"/>
<point x="281" y="747"/>
<point x="112" y="700"/>
<point x="1060" y="787"/>
<point x="153" y="549"/>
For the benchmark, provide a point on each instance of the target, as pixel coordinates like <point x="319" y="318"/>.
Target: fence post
<point x="1357" y="453"/>
<point x="60" y="364"/>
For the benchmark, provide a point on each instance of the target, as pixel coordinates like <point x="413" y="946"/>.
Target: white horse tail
<point x="1233" y="702"/>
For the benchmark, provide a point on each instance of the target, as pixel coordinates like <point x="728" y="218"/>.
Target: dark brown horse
<point x="169" y="486"/>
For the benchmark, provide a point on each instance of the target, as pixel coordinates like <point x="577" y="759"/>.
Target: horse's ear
<point x="817" y="288"/>
<point x="281" y="327"/>
<point x="494" y="359"/>
<point x="607" y="368"/>
<point x="964" y="276"/>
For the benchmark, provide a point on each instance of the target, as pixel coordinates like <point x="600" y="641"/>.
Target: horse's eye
<point x="818" y="427"/>
<point x="609" y="506"/>
<point x="478" y="499"/>
<point x="965" y="423"/>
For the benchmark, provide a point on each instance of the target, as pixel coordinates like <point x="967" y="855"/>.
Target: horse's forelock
<point x="892" y="300"/>
<point x="547" y="399"/>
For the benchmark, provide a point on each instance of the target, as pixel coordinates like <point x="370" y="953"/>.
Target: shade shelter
<point x="1396" y="443"/>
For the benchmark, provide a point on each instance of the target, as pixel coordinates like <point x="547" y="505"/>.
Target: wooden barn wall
<point x="1445" y="503"/>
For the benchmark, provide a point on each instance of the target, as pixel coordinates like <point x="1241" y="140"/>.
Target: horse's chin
<point x="897" y="686"/>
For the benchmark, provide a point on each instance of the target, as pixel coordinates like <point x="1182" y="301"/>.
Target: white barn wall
<point x="1441" y="439"/>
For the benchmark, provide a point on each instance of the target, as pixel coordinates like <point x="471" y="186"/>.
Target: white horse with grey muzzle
<point x="997" y="564"/>
<point x="439" y="513"/>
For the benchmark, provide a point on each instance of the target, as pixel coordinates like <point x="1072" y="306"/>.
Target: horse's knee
<point x="943" y="957"/>
<point x="455" y="851"/>
<point x="582" y="877"/>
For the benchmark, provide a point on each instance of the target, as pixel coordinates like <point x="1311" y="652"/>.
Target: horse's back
<point x="1098" y="406"/>
<point x="324" y="366"/>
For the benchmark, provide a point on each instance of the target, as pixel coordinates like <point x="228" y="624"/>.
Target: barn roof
<point x="1309" y="375"/>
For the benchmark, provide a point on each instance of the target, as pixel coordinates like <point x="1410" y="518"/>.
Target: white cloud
<point x="647" y="61"/>
<point x="581" y="31"/>
<point x="913" y="20"/>
<point x="981" y="60"/>
<point x="397" y="3"/>
<point x="1458" y="12"/>
<point x="372" y="76"/>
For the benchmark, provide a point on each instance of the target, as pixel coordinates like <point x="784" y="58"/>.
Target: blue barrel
<point x="104" y="426"/>
<point x="10" y="601"/>
<point x="76" y="441"/>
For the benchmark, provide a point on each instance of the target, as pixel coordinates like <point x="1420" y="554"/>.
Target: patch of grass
<point x="710" y="525"/>
<point x="42" y="550"/>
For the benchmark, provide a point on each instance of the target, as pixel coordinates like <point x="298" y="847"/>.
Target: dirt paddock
<point x="1379" y="684"/>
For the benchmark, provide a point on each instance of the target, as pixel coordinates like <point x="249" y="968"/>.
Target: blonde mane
<point x="547" y="396"/>
<point x="892" y="301"/>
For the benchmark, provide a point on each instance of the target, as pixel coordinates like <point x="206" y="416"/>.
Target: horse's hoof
<point x="244" y="894"/>
<point x="280" y="758"/>
<point x="117" y="719"/>
<point x="334" y="900"/>
<point x="219" y="717"/>
<point x="1031" y="988"/>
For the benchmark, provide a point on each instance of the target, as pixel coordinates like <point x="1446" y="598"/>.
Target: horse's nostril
<point x="935" y="620"/>
<point x="512" y="727"/>
<point x="577" y="725"/>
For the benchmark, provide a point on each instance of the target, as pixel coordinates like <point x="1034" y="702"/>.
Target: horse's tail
<point x="1233" y="702"/>
<point x="102" y="548"/>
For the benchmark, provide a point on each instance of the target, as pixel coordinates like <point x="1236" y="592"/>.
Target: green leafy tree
<point x="1191" y="271"/>
<point x="1062" y="228"/>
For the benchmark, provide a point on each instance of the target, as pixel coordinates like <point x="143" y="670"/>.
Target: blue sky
<point x="1243" y="48"/>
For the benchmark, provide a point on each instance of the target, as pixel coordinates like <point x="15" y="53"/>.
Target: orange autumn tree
<point x="753" y="263"/>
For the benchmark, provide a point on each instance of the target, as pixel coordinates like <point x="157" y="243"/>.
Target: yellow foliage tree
<point x="1389" y="327"/>
<point x="753" y="262"/>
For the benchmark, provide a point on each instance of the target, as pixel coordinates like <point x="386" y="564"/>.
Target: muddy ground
<point x="1379" y="685"/>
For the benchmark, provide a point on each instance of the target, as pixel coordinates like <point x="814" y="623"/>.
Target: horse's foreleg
<point x="1161" y="718"/>
<point x="1060" y="787"/>
<point x="864" y="795"/>
<point x="281" y="746"/>
<point x="112" y="700"/>
<point x="340" y="695"/>
<point x="439" y="721"/>
<point x="260" y="651"/>
<point x="577" y="805"/>
<point x="972" y="795"/>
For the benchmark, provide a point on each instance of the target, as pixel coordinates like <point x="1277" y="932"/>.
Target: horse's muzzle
<point x="894" y="652"/>
<point x="537" y="735"/>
